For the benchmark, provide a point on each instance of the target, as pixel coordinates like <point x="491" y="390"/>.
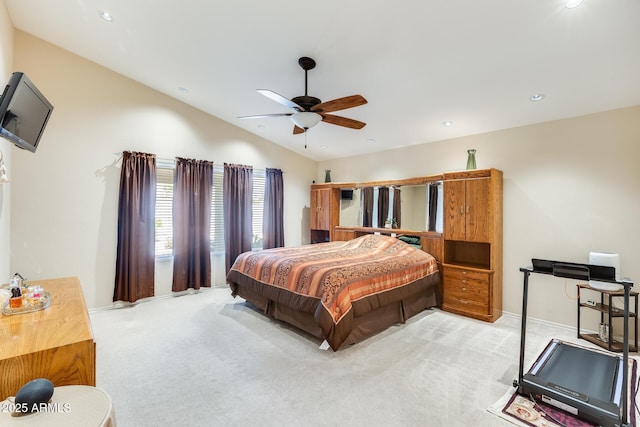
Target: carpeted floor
<point x="206" y="359"/>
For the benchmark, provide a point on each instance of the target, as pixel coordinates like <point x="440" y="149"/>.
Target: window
<point x="164" y="209"/>
<point x="259" y="177"/>
<point x="217" y="211"/>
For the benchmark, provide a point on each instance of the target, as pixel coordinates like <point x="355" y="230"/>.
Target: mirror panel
<point x="414" y="205"/>
<point x="350" y="210"/>
<point x="414" y="208"/>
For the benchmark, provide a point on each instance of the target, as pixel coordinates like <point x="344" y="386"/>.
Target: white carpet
<point x="206" y="359"/>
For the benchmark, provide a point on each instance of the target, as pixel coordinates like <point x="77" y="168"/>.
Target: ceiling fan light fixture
<point x="306" y="119"/>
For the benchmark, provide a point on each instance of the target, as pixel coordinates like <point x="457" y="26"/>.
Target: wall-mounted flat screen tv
<point x="346" y="194"/>
<point x="24" y="112"/>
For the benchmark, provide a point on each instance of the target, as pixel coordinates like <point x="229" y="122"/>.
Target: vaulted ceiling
<point x="418" y="63"/>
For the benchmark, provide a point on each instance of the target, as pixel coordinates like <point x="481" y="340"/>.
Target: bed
<point x="342" y="292"/>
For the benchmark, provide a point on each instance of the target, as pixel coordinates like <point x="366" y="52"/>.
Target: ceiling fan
<point x="309" y="110"/>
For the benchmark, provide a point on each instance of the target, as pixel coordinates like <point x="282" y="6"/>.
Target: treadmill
<point x="588" y="383"/>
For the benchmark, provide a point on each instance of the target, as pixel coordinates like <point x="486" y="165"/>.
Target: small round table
<point x="73" y="405"/>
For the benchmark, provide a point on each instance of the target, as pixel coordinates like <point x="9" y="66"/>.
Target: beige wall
<point x="64" y="204"/>
<point x="6" y="68"/>
<point x="570" y="187"/>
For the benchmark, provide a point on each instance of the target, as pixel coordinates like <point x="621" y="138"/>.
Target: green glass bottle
<point x="471" y="159"/>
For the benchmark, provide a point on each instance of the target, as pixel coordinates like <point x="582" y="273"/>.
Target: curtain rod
<point x="173" y="161"/>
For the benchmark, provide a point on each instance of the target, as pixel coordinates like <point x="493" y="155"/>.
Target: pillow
<point x="412" y="240"/>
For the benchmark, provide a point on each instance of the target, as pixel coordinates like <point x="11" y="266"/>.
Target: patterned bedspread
<point x="339" y="273"/>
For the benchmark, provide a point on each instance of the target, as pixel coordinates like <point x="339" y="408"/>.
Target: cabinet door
<point x="478" y="213"/>
<point x="319" y="215"/>
<point x="454" y="208"/>
<point x="313" y="209"/>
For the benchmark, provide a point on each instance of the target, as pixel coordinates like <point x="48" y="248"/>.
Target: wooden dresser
<point x="472" y="268"/>
<point x="56" y="343"/>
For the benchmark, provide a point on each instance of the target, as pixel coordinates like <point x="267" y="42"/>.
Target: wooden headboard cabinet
<point x="469" y="249"/>
<point x="430" y="241"/>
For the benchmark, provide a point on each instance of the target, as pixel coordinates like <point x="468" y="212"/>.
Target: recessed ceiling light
<point x="183" y="89"/>
<point x="371" y="140"/>
<point x="105" y="15"/>
<point x="570" y="4"/>
<point x="537" y="97"/>
<point x="447" y="123"/>
<point x="324" y="147"/>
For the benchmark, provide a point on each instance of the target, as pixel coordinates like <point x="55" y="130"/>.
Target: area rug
<point x="523" y="411"/>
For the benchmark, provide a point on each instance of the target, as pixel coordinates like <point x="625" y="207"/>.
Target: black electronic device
<point x="346" y="194"/>
<point x="24" y="112"/>
<point x="574" y="270"/>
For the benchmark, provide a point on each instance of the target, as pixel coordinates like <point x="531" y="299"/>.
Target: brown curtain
<point x="397" y="208"/>
<point x="433" y="206"/>
<point x="237" y="191"/>
<point x="383" y="205"/>
<point x="273" y="217"/>
<point x="135" y="253"/>
<point x="367" y="206"/>
<point x="192" y="183"/>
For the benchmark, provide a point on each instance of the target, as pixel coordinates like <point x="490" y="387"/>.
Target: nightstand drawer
<point x="466" y="290"/>
<point x="464" y="274"/>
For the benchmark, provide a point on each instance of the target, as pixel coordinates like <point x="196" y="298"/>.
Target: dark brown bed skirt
<point x="369" y="315"/>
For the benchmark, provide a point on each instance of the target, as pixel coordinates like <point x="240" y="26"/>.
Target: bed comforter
<point x="337" y="280"/>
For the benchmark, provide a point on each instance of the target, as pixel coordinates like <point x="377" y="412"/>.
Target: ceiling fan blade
<point x="340" y="104"/>
<point x="297" y="130"/>
<point x="343" y="121"/>
<point x="262" y="116"/>
<point x="280" y="99"/>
